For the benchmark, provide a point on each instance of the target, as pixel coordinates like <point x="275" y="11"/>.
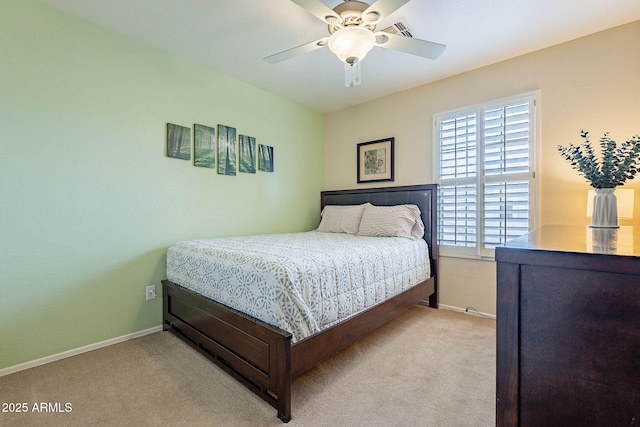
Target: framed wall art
<point x="226" y="150"/>
<point x="247" y="154"/>
<point x="204" y="146"/>
<point x="265" y="158"/>
<point x="178" y="142"/>
<point x="375" y="160"/>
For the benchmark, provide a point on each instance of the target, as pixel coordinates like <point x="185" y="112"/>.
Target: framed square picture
<point x="375" y="160"/>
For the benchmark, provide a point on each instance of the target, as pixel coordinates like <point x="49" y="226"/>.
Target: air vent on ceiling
<point x="400" y="28"/>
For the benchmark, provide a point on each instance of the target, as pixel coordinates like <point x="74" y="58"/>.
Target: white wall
<point x="591" y="83"/>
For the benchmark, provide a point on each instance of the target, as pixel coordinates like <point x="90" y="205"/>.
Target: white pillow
<point x="392" y="221"/>
<point x="341" y="219"/>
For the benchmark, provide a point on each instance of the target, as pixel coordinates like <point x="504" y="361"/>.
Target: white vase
<point x="605" y="209"/>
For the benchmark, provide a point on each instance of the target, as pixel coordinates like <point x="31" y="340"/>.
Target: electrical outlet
<point x="151" y="292"/>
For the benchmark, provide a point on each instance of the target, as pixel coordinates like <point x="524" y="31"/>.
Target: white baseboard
<point x="76" y="351"/>
<point x="469" y="310"/>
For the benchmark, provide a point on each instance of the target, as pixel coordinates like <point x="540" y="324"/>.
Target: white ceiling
<point x="233" y="37"/>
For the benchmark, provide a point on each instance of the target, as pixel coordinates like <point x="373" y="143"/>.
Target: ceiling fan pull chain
<point x="352" y="76"/>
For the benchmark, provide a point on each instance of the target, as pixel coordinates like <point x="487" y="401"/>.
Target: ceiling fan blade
<point x="317" y="9"/>
<point x="423" y="48"/>
<point x="385" y="8"/>
<point x="298" y="50"/>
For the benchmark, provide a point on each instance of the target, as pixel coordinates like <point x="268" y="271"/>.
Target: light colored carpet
<point x="425" y="368"/>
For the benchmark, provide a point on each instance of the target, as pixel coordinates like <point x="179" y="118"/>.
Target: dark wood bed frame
<point x="262" y="356"/>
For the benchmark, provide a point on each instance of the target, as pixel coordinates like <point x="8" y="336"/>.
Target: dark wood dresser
<point x="568" y="328"/>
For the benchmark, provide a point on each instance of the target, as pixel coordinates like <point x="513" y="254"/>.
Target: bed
<point x="265" y="357"/>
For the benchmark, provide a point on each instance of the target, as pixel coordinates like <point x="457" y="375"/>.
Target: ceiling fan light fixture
<point x="351" y="44"/>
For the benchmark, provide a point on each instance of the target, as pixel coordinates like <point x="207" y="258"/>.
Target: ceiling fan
<point x="352" y="34"/>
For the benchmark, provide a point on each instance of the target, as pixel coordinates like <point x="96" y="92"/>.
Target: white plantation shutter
<point x="506" y="211"/>
<point x="457" y="224"/>
<point x="458" y="167"/>
<point x="507" y="169"/>
<point x="484" y="164"/>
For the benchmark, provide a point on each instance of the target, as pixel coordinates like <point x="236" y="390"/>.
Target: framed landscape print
<point x="265" y="158"/>
<point x="375" y="161"/>
<point x="178" y="142"/>
<point x="204" y="146"/>
<point x="247" y="154"/>
<point x="226" y="150"/>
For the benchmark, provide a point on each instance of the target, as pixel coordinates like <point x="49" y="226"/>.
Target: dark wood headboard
<point x="424" y="196"/>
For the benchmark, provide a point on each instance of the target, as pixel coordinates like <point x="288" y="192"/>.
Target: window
<point x="485" y="167"/>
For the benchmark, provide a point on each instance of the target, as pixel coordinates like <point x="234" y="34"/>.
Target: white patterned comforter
<point x="301" y="282"/>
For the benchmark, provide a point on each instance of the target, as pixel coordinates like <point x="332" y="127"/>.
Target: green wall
<point x="89" y="201"/>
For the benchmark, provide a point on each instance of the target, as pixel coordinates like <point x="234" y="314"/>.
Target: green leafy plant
<point x="618" y="164"/>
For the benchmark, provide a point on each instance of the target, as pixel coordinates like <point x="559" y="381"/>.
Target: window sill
<point x="443" y="252"/>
